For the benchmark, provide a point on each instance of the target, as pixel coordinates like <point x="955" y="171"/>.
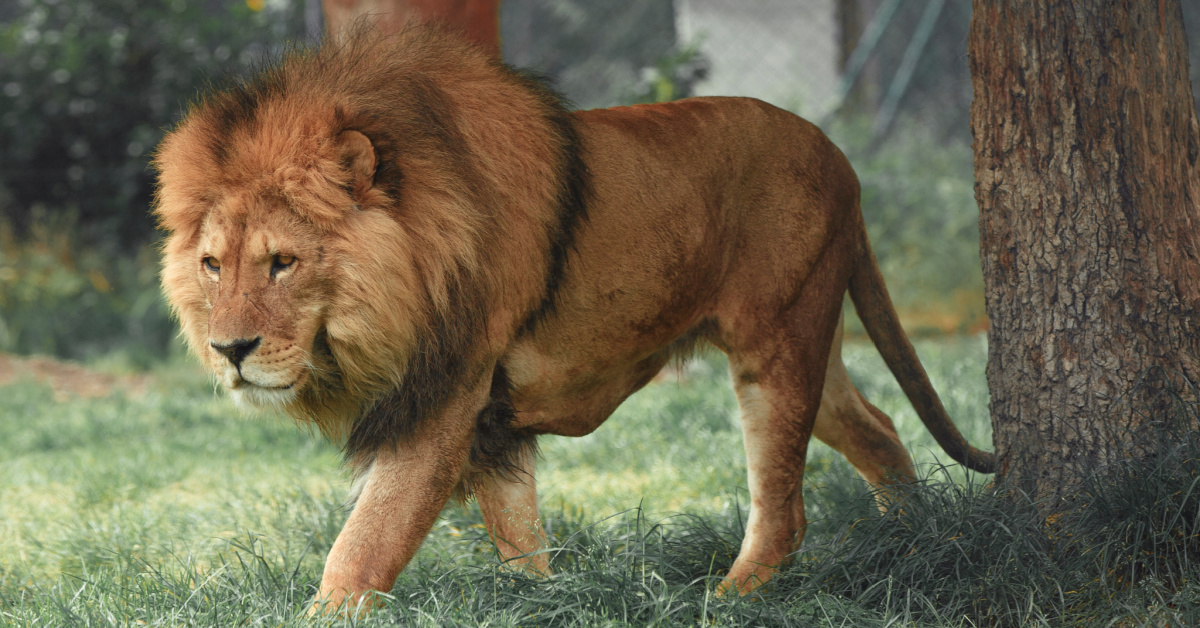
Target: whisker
<point x="311" y="363"/>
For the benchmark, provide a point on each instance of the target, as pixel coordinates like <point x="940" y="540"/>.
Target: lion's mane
<point x="457" y="245"/>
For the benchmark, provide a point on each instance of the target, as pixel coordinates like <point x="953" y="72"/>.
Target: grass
<point x="126" y="503"/>
<point x="170" y="509"/>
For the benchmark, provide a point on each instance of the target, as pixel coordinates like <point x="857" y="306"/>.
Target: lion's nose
<point x="237" y="350"/>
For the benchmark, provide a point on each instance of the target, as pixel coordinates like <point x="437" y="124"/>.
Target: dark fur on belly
<point x="498" y="447"/>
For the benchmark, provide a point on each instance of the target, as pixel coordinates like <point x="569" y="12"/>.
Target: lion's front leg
<point x="405" y="489"/>
<point x="508" y="503"/>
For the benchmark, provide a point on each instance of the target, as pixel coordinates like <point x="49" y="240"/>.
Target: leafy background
<point x="88" y="87"/>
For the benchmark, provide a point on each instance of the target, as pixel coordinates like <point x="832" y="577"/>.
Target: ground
<point x="67" y="379"/>
<point x="147" y="498"/>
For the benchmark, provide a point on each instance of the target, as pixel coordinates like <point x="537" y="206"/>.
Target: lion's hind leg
<point x="774" y="468"/>
<point x="858" y="430"/>
<point x="779" y="345"/>
<point x="779" y="392"/>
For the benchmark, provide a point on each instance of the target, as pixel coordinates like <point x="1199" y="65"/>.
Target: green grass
<point x="171" y="509"/>
<point x="171" y="505"/>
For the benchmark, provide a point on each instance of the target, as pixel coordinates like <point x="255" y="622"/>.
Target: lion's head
<point x="334" y="225"/>
<point x="252" y="275"/>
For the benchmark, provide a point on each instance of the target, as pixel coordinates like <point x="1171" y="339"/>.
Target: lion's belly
<point x="569" y="408"/>
<point x="609" y="335"/>
<point x="571" y="388"/>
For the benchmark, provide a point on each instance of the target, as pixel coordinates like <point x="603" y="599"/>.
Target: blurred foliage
<point x="671" y="77"/>
<point x="87" y="87"/>
<point x="918" y="201"/>
<point x="59" y="298"/>
<point x="593" y="50"/>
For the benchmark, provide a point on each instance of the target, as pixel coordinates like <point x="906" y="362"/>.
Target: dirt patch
<point x="67" y="379"/>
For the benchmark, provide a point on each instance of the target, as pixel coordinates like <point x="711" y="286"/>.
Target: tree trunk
<point x="1085" y="166"/>
<point x="479" y="20"/>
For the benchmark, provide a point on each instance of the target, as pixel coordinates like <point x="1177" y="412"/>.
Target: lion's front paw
<point x="345" y="603"/>
<point x="743" y="579"/>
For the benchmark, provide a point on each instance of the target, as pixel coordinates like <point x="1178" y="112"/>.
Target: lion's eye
<point x="281" y="262"/>
<point x="212" y="264"/>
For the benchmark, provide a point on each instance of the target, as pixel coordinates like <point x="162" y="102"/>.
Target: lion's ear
<point x="357" y="156"/>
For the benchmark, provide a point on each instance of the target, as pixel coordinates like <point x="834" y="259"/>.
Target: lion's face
<point x="354" y="225"/>
<point x="251" y="263"/>
<point x="262" y="271"/>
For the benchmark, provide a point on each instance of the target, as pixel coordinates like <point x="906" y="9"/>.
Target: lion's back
<point x="692" y="200"/>
<point x="711" y="184"/>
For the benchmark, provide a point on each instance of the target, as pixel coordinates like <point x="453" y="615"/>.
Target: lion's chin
<point x="249" y="397"/>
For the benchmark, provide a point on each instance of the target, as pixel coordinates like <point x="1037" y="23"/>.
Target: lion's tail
<point x="878" y="315"/>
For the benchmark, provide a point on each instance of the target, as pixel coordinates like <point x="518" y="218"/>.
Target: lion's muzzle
<point x="236" y="350"/>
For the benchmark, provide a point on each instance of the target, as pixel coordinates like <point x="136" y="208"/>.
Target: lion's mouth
<point x="243" y="383"/>
<point x="251" y="396"/>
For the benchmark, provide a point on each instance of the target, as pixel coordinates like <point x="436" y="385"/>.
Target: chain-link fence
<point x="88" y="86"/>
<point x="887" y="60"/>
<point x="883" y="58"/>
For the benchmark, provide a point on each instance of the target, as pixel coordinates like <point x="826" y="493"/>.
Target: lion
<point x="424" y="253"/>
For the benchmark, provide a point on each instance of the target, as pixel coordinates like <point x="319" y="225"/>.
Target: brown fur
<point x="448" y="300"/>
<point x="400" y="327"/>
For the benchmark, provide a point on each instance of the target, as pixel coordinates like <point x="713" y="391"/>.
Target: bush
<point x="87" y="87"/>
<point x="62" y="299"/>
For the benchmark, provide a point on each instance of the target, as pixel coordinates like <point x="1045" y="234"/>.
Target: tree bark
<point x="1085" y="164"/>
<point x="479" y="20"/>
